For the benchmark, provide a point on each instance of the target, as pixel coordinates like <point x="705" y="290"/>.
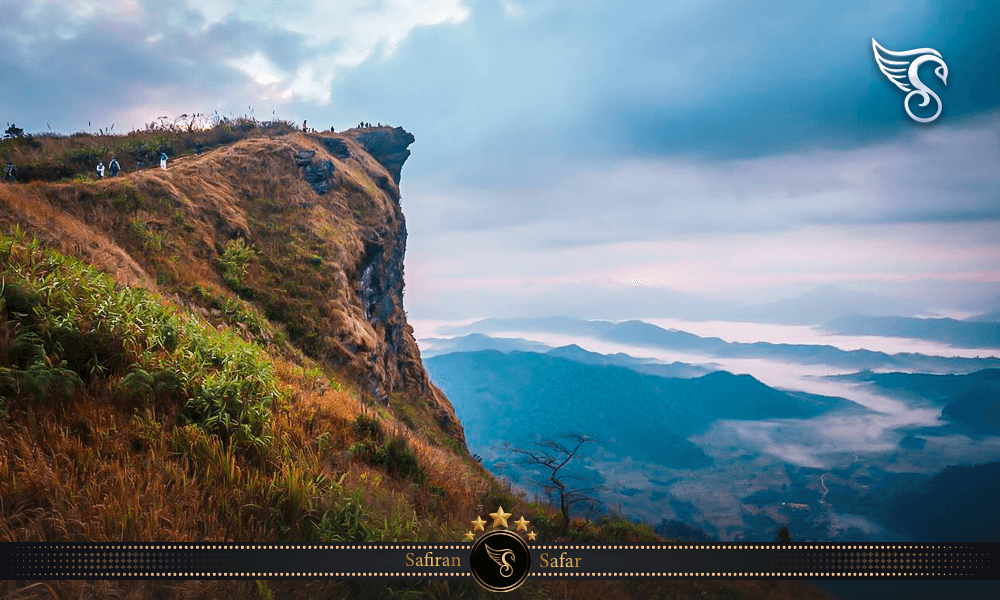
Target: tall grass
<point x="71" y="323"/>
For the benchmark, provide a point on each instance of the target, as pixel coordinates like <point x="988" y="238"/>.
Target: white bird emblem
<point x="500" y="558"/>
<point x="903" y="73"/>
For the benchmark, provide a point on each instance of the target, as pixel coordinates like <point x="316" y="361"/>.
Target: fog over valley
<point x="818" y="473"/>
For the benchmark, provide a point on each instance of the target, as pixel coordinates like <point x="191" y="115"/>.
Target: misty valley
<point x="712" y="440"/>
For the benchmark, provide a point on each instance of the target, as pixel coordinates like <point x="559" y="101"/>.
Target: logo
<point x="901" y="69"/>
<point x="500" y="557"/>
<point x="500" y="560"/>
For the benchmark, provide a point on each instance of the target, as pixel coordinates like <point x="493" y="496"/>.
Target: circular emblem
<point x="500" y="561"/>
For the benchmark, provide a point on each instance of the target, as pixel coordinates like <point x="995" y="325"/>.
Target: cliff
<point x="325" y="235"/>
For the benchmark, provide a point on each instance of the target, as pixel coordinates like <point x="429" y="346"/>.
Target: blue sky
<point x="598" y="150"/>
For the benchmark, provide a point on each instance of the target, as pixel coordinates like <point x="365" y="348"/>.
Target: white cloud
<point x="338" y="35"/>
<point x="512" y="10"/>
<point x="259" y="68"/>
<point x="313" y="81"/>
<point x="343" y="34"/>
<point x="89" y="9"/>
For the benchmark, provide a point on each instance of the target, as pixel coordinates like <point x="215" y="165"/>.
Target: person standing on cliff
<point x="163" y="161"/>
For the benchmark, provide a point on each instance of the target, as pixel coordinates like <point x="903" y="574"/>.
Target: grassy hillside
<point x="218" y="352"/>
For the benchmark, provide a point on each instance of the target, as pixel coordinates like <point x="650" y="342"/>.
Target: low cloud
<point x="943" y="175"/>
<point x="922" y="210"/>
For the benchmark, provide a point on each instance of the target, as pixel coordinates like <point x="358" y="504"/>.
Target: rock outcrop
<point x="317" y="173"/>
<point x="388" y="146"/>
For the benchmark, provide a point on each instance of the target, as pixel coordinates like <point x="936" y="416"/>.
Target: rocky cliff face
<point x="321" y="216"/>
<point x="388" y="146"/>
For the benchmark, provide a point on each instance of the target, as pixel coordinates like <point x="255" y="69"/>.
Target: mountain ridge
<point x="640" y="333"/>
<point x="961" y="334"/>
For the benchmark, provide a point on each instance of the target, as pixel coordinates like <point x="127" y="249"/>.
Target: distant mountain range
<point x="676" y="369"/>
<point x="517" y="396"/>
<point x="475" y="342"/>
<point x="639" y="333"/>
<point x="649" y="424"/>
<point x="990" y="317"/>
<point x="962" y="334"/>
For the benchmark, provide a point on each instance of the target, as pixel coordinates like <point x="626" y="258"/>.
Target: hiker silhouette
<point x="163" y="161"/>
<point x="100" y="170"/>
<point x="114" y="167"/>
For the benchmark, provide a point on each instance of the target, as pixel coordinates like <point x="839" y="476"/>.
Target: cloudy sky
<point x="578" y="155"/>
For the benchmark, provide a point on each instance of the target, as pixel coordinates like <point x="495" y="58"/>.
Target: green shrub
<point x="86" y="157"/>
<point x="369" y="428"/>
<point x="13" y="131"/>
<point x="234" y="262"/>
<point x="347" y="521"/>
<point x="150" y="240"/>
<point x="125" y="197"/>
<point x="394" y="456"/>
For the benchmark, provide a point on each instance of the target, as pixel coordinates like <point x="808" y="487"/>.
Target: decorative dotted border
<point x="465" y="575"/>
<point x="226" y="546"/>
<point x="466" y="545"/>
<point x="901" y="549"/>
<point x="231" y="575"/>
<point x="789" y="574"/>
<point x="818" y="546"/>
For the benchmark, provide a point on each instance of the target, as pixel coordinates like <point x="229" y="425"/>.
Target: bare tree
<point x="552" y="455"/>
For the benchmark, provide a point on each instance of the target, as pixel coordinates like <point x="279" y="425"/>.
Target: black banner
<point x="452" y="561"/>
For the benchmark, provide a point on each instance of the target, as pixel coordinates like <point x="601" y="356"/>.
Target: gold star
<point x="469" y="536"/>
<point x="500" y="517"/>
<point x="479" y="522"/>
<point x="522" y="524"/>
<point x="531" y="535"/>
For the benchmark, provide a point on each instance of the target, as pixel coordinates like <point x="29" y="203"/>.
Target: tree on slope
<point x="552" y="455"/>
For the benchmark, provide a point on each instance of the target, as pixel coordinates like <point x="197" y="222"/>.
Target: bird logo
<point x="901" y="69"/>
<point x="500" y="558"/>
